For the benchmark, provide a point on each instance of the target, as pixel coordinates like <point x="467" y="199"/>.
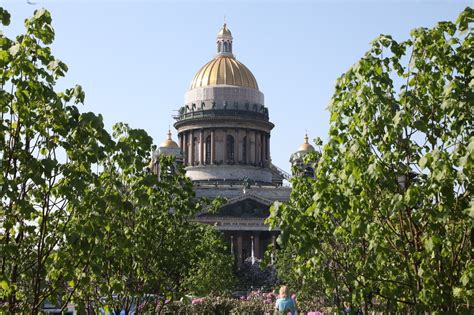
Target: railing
<point x="221" y="113"/>
<point x="281" y="172"/>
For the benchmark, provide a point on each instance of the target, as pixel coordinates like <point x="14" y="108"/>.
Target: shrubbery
<point x="256" y="302"/>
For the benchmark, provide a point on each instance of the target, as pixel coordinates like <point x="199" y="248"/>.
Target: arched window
<point x="225" y="46"/>
<point x="244" y="150"/>
<point x="230" y="47"/>
<point x="219" y="47"/>
<point x="230" y="148"/>
<point x="208" y="150"/>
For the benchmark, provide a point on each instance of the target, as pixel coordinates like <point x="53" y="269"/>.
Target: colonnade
<point x="256" y="249"/>
<point x="209" y="146"/>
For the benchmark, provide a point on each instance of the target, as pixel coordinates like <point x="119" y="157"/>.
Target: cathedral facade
<point x="223" y="133"/>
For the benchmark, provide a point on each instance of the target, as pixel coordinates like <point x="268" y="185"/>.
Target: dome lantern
<point x="306" y="146"/>
<point x="224" y="68"/>
<point x="224" y="42"/>
<point x="169" y="143"/>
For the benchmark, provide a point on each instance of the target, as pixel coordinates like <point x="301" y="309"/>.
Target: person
<point x="347" y="308"/>
<point x="285" y="304"/>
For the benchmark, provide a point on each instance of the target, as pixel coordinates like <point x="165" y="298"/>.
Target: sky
<point x="135" y="59"/>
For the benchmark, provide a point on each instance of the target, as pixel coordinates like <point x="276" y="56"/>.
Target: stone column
<point x="201" y="148"/>
<point x="225" y="146"/>
<point x="247" y="146"/>
<point x="264" y="158"/>
<point x="236" y="147"/>
<point x="239" y="250"/>
<point x="256" y="240"/>
<point x="213" y="148"/>
<point x="268" y="147"/>
<point x="256" y="147"/>
<point x="191" y="159"/>
<point x="185" y="148"/>
<point x="273" y="251"/>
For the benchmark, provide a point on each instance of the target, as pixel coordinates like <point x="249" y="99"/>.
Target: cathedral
<point x="223" y="142"/>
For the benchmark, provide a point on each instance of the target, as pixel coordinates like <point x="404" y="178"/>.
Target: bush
<point x="205" y="305"/>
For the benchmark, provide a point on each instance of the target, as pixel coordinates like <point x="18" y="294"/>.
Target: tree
<point x="392" y="211"/>
<point x="211" y="266"/>
<point x="82" y="219"/>
<point x="147" y="251"/>
<point x="47" y="151"/>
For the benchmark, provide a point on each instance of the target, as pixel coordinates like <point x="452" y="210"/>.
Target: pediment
<point x="244" y="206"/>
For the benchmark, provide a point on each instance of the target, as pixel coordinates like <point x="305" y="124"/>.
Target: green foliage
<point x="389" y="217"/>
<point x="47" y="150"/>
<point x="82" y="219"/>
<point x="211" y="267"/>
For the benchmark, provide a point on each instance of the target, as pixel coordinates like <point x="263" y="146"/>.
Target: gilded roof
<point x="306" y="146"/>
<point x="224" y="70"/>
<point x="169" y="143"/>
<point x="224" y="31"/>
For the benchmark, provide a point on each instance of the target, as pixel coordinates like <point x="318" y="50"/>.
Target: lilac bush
<point x="255" y="302"/>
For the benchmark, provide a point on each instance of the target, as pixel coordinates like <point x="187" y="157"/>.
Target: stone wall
<point x="228" y="172"/>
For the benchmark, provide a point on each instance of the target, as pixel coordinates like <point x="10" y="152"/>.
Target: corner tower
<point x="297" y="160"/>
<point x="223" y="127"/>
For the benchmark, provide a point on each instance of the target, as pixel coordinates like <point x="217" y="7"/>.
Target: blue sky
<point x="135" y="59"/>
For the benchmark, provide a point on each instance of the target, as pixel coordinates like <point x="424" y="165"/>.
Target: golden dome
<point x="306" y="146"/>
<point x="169" y="143"/>
<point x="224" y="70"/>
<point x="224" y="31"/>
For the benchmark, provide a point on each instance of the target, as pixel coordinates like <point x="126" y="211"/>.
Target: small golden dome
<point x="306" y="146"/>
<point x="169" y="143"/>
<point x="224" y="31"/>
<point x="224" y="70"/>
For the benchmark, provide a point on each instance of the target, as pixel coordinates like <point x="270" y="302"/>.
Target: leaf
<point x="429" y="245"/>
<point x="458" y="292"/>
<point x="470" y="210"/>
<point x="4" y="285"/>
<point x="14" y="50"/>
<point x="470" y="147"/>
<point x="4" y="16"/>
<point x="422" y="162"/>
<point x="4" y="57"/>
<point x="466" y="17"/>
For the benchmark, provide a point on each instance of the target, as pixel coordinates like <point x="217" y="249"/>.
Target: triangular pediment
<point x="244" y="206"/>
<point x="251" y="196"/>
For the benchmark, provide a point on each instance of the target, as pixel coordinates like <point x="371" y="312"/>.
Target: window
<point x="208" y="150"/>
<point x="230" y="148"/>
<point x="225" y="47"/>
